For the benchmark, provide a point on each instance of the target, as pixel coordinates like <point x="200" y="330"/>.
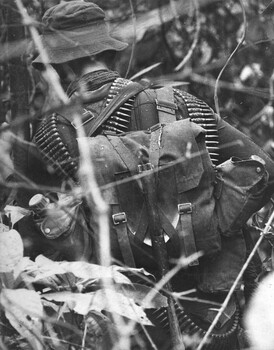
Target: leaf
<point x="4" y="228"/>
<point x="80" y="269"/>
<point x="138" y="293"/>
<point x="24" y="310"/>
<point x="65" y="275"/>
<point x="100" y="331"/>
<point x="45" y="274"/>
<point x="259" y="319"/>
<point x="15" y="213"/>
<point x="85" y="270"/>
<point x="11" y="250"/>
<point x="108" y="300"/>
<point x="24" y="264"/>
<point x="132" y="270"/>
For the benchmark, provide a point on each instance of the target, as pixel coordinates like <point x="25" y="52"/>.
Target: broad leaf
<point x="85" y="270"/>
<point x="138" y="293"/>
<point x="108" y="300"/>
<point x="132" y="270"/>
<point x="80" y="269"/>
<point x="24" y="310"/>
<point x="15" y="213"/>
<point x="11" y="250"/>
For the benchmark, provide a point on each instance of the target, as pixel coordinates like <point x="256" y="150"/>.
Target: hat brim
<point x="64" y="46"/>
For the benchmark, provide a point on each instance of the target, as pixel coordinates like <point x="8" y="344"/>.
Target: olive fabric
<point x="75" y="29"/>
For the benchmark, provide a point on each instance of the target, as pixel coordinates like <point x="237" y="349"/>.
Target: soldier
<point x="81" y="50"/>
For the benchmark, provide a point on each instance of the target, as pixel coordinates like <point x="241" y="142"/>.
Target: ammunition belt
<point x="52" y="148"/>
<point x="119" y="122"/>
<point x="56" y="154"/>
<point x="198" y="111"/>
<point x="201" y="114"/>
<point x="218" y="341"/>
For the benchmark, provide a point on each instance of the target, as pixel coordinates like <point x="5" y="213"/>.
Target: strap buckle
<point x="166" y="106"/>
<point x="87" y="117"/>
<point x="184" y="208"/>
<point x="145" y="167"/>
<point x="119" y="218"/>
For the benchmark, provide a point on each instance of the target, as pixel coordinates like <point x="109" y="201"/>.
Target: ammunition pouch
<point x="240" y="189"/>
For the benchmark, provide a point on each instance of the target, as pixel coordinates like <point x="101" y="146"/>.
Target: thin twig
<point x="236" y="282"/>
<point x="263" y="93"/>
<point x="217" y="108"/>
<point x="182" y="263"/>
<point x="84" y="336"/>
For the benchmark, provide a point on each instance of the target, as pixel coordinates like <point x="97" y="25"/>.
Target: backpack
<point x="184" y="187"/>
<point x="200" y="203"/>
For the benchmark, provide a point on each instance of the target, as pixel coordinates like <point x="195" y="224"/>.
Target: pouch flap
<point x="182" y="142"/>
<point x="246" y="172"/>
<point x="240" y="189"/>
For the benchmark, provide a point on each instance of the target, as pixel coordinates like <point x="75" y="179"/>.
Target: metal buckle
<point x="184" y="208"/>
<point x="145" y="167"/>
<point x="85" y="114"/>
<point x="119" y="218"/>
<point x="166" y="106"/>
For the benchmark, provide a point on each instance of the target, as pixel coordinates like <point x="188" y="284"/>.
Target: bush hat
<point x="73" y="30"/>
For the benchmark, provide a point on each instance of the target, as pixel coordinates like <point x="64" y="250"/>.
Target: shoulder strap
<point x="165" y="105"/>
<point x="131" y="163"/>
<point x="127" y="92"/>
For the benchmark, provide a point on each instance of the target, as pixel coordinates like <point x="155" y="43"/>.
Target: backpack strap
<point x="185" y="230"/>
<point x="119" y="219"/>
<point x="131" y="163"/>
<point x="165" y="105"/>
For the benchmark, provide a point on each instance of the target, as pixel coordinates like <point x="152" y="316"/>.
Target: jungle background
<point x="220" y="51"/>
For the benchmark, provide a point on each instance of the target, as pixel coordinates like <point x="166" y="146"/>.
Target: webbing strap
<point x="142" y="226"/>
<point x="185" y="230"/>
<point x="120" y="222"/>
<point x="165" y="105"/>
<point x="169" y="230"/>
<point x="126" y="156"/>
<point x="121" y="229"/>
